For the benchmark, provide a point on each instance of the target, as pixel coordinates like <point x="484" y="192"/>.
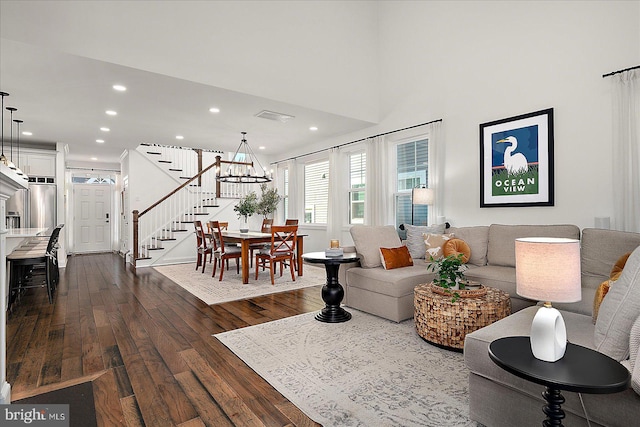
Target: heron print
<point x="515" y="161"/>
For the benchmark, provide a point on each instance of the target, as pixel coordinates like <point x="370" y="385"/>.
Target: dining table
<point x="251" y="237"/>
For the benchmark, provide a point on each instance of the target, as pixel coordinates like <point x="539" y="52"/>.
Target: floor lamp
<point x="421" y="196"/>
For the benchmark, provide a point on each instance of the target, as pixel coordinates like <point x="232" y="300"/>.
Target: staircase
<point x="167" y="224"/>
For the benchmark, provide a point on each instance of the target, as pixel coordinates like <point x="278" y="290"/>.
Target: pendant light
<point x="18" y="171"/>
<point x="10" y="164"/>
<point x="244" y="170"/>
<point x="3" y="159"/>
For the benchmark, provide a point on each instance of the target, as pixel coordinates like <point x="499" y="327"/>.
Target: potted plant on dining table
<point x="246" y="207"/>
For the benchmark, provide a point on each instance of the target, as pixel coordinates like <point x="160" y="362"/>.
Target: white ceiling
<point x="62" y="87"/>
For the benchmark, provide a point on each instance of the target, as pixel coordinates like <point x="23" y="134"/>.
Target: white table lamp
<point x="548" y="269"/>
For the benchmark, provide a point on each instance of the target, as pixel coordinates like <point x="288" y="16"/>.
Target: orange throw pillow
<point x="603" y="288"/>
<point x="395" y="257"/>
<point x="616" y="271"/>
<point x="455" y="247"/>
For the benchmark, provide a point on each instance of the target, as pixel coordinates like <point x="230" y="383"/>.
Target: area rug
<point x="212" y="291"/>
<point x="364" y="372"/>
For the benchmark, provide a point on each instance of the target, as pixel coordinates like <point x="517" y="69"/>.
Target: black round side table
<point x="332" y="291"/>
<point x="581" y="370"/>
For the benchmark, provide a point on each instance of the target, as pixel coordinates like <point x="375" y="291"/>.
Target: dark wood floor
<point x="146" y="345"/>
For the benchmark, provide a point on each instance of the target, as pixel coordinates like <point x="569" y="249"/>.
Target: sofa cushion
<point x="503" y="278"/>
<point x="434" y="244"/>
<point x="395" y="283"/>
<point x="619" y="310"/>
<point x="600" y="249"/>
<point x="456" y="247"/>
<point x="368" y="239"/>
<point x="477" y="238"/>
<point x="502" y="247"/>
<point x="395" y="257"/>
<point x="415" y="241"/>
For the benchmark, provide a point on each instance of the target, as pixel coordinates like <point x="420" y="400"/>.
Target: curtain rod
<point x="620" y="71"/>
<point x="357" y="140"/>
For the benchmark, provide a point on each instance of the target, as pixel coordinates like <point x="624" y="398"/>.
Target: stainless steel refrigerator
<point x="35" y="207"/>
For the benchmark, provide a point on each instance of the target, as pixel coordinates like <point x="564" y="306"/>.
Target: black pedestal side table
<point x="332" y="291"/>
<point x="581" y="370"/>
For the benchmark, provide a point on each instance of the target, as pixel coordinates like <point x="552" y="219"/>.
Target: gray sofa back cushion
<point x="502" y="239"/>
<point x="368" y="239"/>
<point x="477" y="238"/>
<point x="619" y="310"/>
<point x="600" y="251"/>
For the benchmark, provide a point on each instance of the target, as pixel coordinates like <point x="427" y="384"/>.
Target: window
<point x="412" y="171"/>
<point x="316" y="192"/>
<point x="357" y="170"/>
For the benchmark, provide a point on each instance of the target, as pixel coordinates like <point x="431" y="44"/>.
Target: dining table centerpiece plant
<point x="449" y="272"/>
<point x="246" y="207"/>
<point x="269" y="199"/>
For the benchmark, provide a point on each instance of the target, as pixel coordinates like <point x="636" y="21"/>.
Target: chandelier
<point x="242" y="169"/>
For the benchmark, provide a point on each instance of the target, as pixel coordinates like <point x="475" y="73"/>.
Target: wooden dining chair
<point x="266" y="228"/>
<point x="222" y="252"/>
<point x="281" y="250"/>
<point x="223" y="227"/>
<point x="203" y="247"/>
<point x="292" y="221"/>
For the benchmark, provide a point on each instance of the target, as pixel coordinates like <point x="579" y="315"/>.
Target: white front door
<point x="92" y="217"/>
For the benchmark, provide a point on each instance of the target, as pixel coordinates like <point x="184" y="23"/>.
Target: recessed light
<point x="94" y="158"/>
<point x="214" y="110"/>
<point x="105" y="129"/>
<point x="119" y="88"/>
<point x="111" y="113"/>
<point x="179" y="137"/>
<point x="262" y="147"/>
<point x="313" y="128"/>
<point x="27" y="133"/>
<point x="100" y="141"/>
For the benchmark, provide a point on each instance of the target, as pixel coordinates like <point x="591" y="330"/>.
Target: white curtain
<point x="626" y="150"/>
<point x="337" y="193"/>
<point x="378" y="197"/>
<point x="436" y="171"/>
<point x="295" y="188"/>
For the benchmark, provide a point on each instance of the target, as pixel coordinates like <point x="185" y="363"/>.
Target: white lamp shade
<point x="548" y="269"/>
<point x="422" y="196"/>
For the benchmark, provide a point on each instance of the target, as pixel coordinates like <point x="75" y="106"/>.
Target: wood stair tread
<point x="155" y="153"/>
<point x="165" y="161"/>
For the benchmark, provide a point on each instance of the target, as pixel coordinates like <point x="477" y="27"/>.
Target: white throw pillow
<point x="619" y="310"/>
<point x="415" y="242"/>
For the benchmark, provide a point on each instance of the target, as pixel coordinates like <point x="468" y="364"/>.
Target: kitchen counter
<point x="16" y="236"/>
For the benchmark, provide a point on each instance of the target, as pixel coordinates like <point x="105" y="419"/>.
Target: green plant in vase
<point x="246" y="207"/>
<point x="269" y="200"/>
<point x="449" y="273"/>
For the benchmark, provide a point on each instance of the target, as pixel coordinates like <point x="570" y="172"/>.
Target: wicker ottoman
<point x="445" y="323"/>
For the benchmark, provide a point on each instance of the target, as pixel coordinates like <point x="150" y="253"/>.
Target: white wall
<point x="474" y="62"/>
<point x="270" y="49"/>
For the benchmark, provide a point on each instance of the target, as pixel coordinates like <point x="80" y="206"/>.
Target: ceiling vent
<point x="272" y="115"/>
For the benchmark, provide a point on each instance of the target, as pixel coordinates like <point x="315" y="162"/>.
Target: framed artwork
<point x="516" y="161"/>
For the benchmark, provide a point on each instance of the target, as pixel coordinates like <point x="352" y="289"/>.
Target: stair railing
<point x="182" y="206"/>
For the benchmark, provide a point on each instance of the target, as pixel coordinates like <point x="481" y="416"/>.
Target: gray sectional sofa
<point x="498" y="398"/>
<point x="389" y="293"/>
